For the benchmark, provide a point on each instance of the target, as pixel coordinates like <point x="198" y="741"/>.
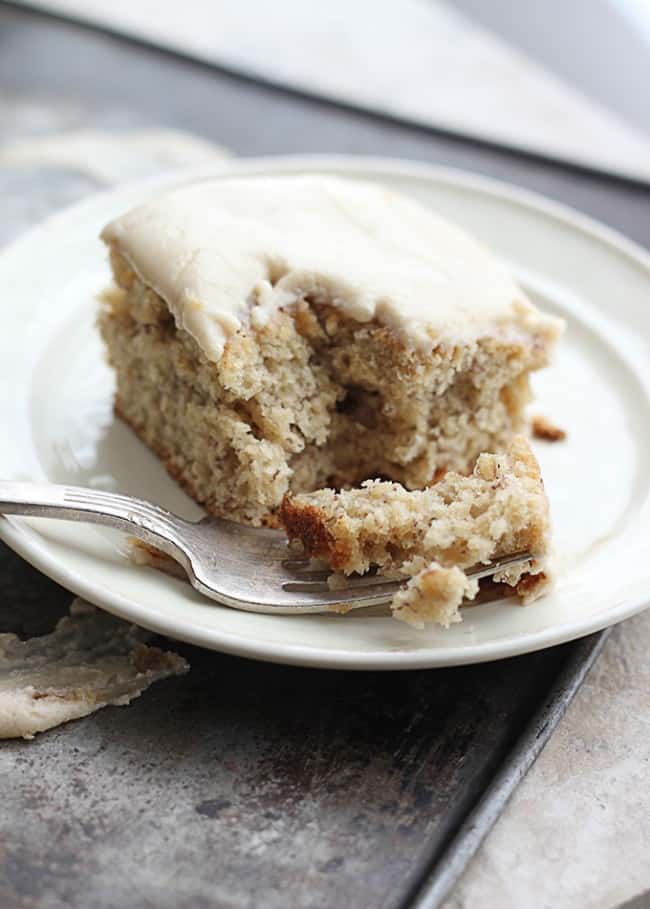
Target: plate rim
<point x="37" y="554"/>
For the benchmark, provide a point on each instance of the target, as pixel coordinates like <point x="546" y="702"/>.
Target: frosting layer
<point x="228" y="252"/>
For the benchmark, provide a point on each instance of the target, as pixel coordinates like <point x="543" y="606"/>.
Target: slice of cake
<point x="457" y="523"/>
<point x="275" y="335"/>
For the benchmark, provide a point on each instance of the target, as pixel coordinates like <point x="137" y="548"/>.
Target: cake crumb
<point x="544" y="429"/>
<point x="143" y="554"/>
<point x="337" y="581"/>
<point x="433" y="595"/>
<point x="340" y="608"/>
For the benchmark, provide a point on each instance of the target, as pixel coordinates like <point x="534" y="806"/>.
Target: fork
<point x="243" y="567"/>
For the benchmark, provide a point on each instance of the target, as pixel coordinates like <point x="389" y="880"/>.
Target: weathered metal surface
<point x="251" y="784"/>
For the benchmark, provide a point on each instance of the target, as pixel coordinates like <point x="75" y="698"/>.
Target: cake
<point x="433" y="595"/>
<point x="272" y="336"/>
<point x="433" y="535"/>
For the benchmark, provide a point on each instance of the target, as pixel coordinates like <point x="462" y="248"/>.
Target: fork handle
<point x="144" y="520"/>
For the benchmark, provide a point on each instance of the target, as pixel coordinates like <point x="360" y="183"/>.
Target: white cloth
<point x="416" y="59"/>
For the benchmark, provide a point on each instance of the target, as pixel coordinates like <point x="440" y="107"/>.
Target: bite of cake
<point x="435" y="534"/>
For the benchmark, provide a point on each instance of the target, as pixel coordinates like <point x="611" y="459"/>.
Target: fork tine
<point x="314" y="581"/>
<point x="497" y="565"/>
<point x="313" y="584"/>
<point x="311" y="577"/>
<point x="353" y="597"/>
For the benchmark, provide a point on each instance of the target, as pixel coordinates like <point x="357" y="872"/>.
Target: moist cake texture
<point x="433" y="595"/>
<point x="276" y="335"/>
<point x="457" y="523"/>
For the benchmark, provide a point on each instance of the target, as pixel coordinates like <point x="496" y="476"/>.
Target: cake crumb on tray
<point x="90" y="660"/>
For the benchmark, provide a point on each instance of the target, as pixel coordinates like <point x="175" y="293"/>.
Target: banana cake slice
<point x="274" y="335"/>
<point x="431" y="536"/>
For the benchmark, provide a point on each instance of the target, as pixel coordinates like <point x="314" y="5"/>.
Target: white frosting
<point x="227" y="252"/>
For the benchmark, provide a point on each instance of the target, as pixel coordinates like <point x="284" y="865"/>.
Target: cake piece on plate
<point x="278" y="334"/>
<point x="432" y="535"/>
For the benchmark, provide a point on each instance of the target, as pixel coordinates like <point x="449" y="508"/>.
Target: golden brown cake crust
<point x="308" y="523"/>
<point x="544" y="429"/>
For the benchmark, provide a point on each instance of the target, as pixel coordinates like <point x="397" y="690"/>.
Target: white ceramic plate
<point x="55" y="400"/>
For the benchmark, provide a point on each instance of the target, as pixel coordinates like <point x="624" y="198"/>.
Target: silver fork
<point x="244" y="567"/>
